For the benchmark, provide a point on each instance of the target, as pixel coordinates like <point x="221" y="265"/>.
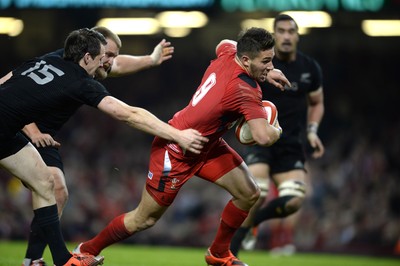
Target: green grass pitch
<point x="12" y="252"/>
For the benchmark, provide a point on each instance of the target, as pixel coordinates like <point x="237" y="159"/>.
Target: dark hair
<point x="108" y="34"/>
<point x="254" y="40"/>
<point x="82" y="41"/>
<point x="284" y="17"/>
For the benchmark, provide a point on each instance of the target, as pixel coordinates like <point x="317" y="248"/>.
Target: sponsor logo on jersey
<point x="294" y="87"/>
<point x="305" y="78"/>
<point x="150" y="175"/>
<point x="174" y="182"/>
<point x="299" y="165"/>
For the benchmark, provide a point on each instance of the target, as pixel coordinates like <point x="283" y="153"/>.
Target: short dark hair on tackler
<point x="82" y="41"/>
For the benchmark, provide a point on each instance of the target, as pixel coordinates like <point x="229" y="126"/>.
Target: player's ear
<point x="245" y="60"/>
<point x="86" y="58"/>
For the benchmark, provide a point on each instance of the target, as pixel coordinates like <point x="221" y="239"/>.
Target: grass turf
<point x="12" y="252"/>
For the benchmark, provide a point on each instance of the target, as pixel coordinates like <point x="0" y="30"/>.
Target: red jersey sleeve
<point x="224" y="47"/>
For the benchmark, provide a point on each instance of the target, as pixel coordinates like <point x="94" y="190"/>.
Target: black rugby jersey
<point x="305" y="75"/>
<point x="47" y="90"/>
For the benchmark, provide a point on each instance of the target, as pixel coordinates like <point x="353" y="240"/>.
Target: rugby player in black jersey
<point x="51" y="84"/>
<point x="42" y="133"/>
<point x="300" y="111"/>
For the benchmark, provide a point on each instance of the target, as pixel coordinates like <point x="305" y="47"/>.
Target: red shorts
<point x="169" y="170"/>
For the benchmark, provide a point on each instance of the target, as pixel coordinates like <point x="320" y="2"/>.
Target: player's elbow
<point x="116" y="108"/>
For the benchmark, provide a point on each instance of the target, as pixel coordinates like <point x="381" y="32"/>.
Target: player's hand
<point x="316" y="144"/>
<point x="278" y="79"/>
<point x="162" y="52"/>
<point x="278" y="126"/>
<point x="44" y="140"/>
<point x="191" y="140"/>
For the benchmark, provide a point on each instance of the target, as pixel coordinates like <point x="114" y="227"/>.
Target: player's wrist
<point x="312" y="127"/>
<point x="153" y="60"/>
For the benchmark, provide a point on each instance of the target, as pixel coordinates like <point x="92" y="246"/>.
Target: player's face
<point x="111" y="52"/>
<point x="261" y="65"/>
<point x="286" y="37"/>
<point x="93" y="64"/>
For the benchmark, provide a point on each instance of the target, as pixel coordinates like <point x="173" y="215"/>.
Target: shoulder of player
<point x="224" y="46"/>
<point x="300" y="56"/>
<point x="58" y="53"/>
<point x="245" y="80"/>
<point x="89" y="81"/>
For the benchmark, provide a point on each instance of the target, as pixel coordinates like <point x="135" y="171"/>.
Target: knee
<point x="255" y="196"/>
<point x="263" y="184"/>
<point x="44" y="184"/>
<point x="294" y="204"/>
<point x="295" y="192"/>
<point x="62" y="197"/>
<point x="61" y="193"/>
<point x="250" y="197"/>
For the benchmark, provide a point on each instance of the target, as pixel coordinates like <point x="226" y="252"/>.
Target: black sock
<point x="36" y="242"/>
<point x="47" y="219"/>
<point x="274" y="209"/>
<point x="237" y="239"/>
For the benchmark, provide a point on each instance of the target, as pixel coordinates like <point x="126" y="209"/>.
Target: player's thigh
<point x="295" y="174"/>
<point x="28" y="166"/>
<point x="239" y="183"/>
<point x="259" y="170"/>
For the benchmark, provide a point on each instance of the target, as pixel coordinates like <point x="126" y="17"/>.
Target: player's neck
<point x="286" y="57"/>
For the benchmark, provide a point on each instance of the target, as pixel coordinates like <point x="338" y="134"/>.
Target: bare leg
<point x="144" y="216"/>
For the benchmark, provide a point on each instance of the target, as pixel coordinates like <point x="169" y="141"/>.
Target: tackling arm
<point x="139" y="118"/>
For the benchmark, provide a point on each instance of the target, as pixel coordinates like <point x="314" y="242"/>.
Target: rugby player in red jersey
<point x="228" y="90"/>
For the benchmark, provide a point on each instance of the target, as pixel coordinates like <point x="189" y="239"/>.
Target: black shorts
<point x="281" y="157"/>
<point x="51" y="156"/>
<point x="11" y="145"/>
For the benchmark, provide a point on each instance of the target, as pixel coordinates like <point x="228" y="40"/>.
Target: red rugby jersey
<point x="225" y="94"/>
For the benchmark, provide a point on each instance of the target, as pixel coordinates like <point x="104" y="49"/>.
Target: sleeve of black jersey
<point x="317" y="78"/>
<point x="59" y="53"/>
<point x="91" y="92"/>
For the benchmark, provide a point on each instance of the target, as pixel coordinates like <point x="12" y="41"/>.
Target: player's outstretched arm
<point x="129" y="64"/>
<point x="143" y="120"/>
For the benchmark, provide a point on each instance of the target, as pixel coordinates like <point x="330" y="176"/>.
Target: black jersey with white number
<point x="305" y="75"/>
<point x="47" y="90"/>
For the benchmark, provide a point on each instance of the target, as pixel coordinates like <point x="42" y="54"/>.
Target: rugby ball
<point x="242" y="131"/>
